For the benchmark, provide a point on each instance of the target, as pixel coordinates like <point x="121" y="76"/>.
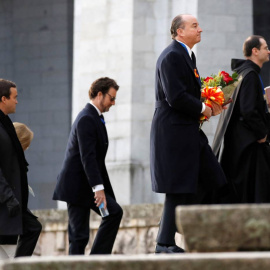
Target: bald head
<point x="251" y="42"/>
<point x="186" y="29"/>
<point x="179" y="22"/>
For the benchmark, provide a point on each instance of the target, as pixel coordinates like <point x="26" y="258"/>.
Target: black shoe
<point x="170" y="249"/>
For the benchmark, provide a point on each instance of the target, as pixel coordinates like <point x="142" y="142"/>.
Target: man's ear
<point x="180" y="32"/>
<point x="99" y="95"/>
<point x="255" y="51"/>
<point x="3" y="99"/>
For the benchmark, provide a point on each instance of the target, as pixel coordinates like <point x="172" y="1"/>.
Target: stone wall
<point x="36" y="53"/>
<point x="136" y="235"/>
<point x="210" y="232"/>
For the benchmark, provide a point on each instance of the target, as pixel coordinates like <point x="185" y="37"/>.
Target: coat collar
<point x="91" y="108"/>
<point x="181" y="49"/>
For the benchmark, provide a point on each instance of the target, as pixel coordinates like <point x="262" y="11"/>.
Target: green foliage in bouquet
<point x="224" y="81"/>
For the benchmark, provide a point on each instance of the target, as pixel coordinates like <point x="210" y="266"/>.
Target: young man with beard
<point x="83" y="181"/>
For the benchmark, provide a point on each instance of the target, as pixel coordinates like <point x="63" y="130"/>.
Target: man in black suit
<point x="15" y="219"/>
<point x="182" y="163"/>
<point x="241" y="140"/>
<point x="83" y="181"/>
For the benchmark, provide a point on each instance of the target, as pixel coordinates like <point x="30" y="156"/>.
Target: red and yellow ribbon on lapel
<point x="196" y="73"/>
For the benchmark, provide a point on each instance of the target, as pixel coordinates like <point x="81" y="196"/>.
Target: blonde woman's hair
<point x="24" y="133"/>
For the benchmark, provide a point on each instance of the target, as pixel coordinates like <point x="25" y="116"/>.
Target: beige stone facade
<point x="136" y="235"/>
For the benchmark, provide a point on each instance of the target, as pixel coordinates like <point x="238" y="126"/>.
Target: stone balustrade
<point x="213" y="229"/>
<point x="137" y="233"/>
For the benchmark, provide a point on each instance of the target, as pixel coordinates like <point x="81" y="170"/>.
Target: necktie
<point x="102" y="119"/>
<point x="193" y="57"/>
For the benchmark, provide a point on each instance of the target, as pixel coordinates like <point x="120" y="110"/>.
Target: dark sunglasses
<point x="111" y="97"/>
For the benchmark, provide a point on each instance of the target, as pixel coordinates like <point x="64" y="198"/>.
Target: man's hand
<point x="100" y="197"/>
<point x="207" y="112"/>
<point x="263" y="140"/>
<point x="13" y="207"/>
<point x="216" y="108"/>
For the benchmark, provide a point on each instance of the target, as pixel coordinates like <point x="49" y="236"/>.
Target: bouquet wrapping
<point x="219" y="89"/>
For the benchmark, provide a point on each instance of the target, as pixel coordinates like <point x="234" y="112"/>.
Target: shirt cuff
<point x="203" y="107"/>
<point x="97" y="188"/>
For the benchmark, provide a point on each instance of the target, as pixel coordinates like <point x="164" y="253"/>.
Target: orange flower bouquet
<point x="219" y="89"/>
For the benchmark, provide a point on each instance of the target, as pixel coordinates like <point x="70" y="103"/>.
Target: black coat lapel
<point x="188" y="60"/>
<point x="101" y="127"/>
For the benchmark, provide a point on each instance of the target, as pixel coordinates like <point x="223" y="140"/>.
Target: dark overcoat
<point x="13" y="178"/>
<point x="175" y="136"/>
<point x="84" y="162"/>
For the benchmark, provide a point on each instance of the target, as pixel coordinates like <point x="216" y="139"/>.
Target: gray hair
<point x="177" y="22"/>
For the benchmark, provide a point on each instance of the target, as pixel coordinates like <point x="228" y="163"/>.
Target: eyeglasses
<point x="111" y="97"/>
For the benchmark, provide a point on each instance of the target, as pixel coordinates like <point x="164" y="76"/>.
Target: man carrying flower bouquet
<point x="182" y="163"/>
<point x="241" y="139"/>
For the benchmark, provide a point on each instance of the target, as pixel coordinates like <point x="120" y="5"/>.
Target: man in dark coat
<point x="83" y="181"/>
<point x="241" y="141"/>
<point x="182" y="163"/>
<point x="15" y="218"/>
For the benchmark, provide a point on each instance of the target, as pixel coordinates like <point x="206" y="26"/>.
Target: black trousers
<point x="210" y="172"/>
<point x="28" y="240"/>
<point x="78" y="227"/>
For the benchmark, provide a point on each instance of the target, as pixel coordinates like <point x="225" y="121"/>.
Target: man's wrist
<point x="97" y="188"/>
<point x="203" y="107"/>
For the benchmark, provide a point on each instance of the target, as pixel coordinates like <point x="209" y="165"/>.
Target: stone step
<point x="220" y="228"/>
<point x="209" y="261"/>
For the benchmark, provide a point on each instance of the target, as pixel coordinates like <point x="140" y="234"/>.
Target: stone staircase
<point x="231" y="237"/>
<point x="205" y="261"/>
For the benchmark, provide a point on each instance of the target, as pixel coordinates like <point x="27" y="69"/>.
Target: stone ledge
<point x="136" y="235"/>
<point x="209" y="261"/>
<point x="220" y="228"/>
<point x="136" y="215"/>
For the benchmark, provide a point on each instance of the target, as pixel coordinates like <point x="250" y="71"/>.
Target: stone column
<point x="103" y="47"/>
